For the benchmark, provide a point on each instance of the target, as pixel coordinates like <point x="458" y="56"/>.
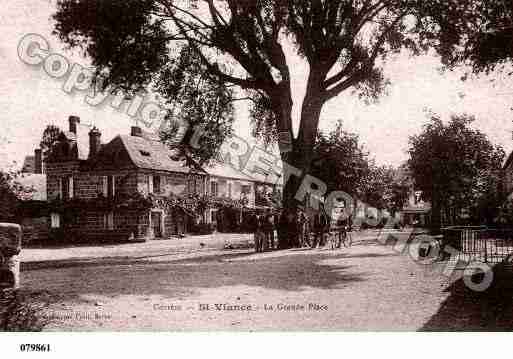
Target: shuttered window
<point x="55" y="219"/>
<point x="66" y="188"/>
<point x="108" y="186"/>
<point x="108" y="220"/>
<point x="150" y="183"/>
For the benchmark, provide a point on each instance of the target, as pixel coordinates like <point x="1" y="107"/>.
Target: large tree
<point x="454" y="166"/>
<point x="478" y="33"/>
<point x="242" y="44"/>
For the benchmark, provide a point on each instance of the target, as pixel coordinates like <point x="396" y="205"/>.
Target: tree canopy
<point x="244" y="45"/>
<point x="454" y="165"/>
<point x="478" y="33"/>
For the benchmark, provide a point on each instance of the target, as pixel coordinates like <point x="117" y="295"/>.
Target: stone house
<point x="100" y="190"/>
<point x="133" y="187"/>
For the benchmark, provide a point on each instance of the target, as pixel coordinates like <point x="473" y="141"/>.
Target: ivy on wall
<point x="192" y="204"/>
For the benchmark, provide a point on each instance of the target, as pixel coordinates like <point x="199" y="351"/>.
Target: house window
<point x="55" y="220"/>
<point x="213" y="189"/>
<point x="109" y="186"/>
<point x="229" y="190"/>
<point x="111" y="182"/>
<point x="66" y="187"/>
<point x="213" y="215"/>
<point x="198" y="186"/>
<point x="108" y="220"/>
<point x="156" y="184"/>
<point x="149" y="180"/>
<point x="191" y="185"/>
<point x="245" y="188"/>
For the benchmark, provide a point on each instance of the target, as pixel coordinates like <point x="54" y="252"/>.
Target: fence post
<point x="486" y="249"/>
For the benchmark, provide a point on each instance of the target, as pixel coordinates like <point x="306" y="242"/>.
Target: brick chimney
<point x="73" y="121"/>
<point x="136" y="131"/>
<point x="95" y="142"/>
<point x="38" y="161"/>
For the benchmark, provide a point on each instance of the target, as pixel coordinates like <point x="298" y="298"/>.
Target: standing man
<point x="302" y="219"/>
<point x="269" y="229"/>
<point x="255" y="228"/>
<point x="320" y="228"/>
<point x="283" y="229"/>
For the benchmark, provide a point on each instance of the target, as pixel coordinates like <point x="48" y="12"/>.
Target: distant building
<point x="415" y="211"/>
<point x="32" y="209"/>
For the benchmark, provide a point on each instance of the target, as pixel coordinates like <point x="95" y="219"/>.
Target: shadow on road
<point x="371" y="255"/>
<point x="288" y="271"/>
<point x="468" y="310"/>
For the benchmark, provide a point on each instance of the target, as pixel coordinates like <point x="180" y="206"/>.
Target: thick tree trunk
<point x="289" y="201"/>
<point x="299" y="159"/>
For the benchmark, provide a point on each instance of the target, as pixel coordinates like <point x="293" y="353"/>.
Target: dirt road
<point x="195" y="284"/>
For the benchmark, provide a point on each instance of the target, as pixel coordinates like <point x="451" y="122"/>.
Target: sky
<point x="30" y="99"/>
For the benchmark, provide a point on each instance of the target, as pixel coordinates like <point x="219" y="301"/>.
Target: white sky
<point x="30" y="99"/>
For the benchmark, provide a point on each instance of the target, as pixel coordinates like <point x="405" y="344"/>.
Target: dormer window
<point x="145" y="153"/>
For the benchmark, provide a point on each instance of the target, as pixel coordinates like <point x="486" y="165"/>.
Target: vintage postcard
<point x="255" y="166"/>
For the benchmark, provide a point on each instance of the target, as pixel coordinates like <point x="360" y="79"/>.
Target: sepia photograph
<point x="258" y="166"/>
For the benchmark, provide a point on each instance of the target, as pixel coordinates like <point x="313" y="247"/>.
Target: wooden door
<point x="156" y="222"/>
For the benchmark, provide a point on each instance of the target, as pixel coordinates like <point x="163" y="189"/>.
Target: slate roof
<point x="219" y="169"/>
<point x="154" y="155"/>
<point x="272" y="178"/>
<point x="129" y="152"/>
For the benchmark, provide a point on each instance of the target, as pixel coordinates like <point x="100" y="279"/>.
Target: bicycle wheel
<point x="349" y="239"/>
<point x="344" y="238"/>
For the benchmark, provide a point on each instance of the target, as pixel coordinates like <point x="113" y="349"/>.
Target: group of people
<point x="293" y="229"/>
<point x="263" y="227"/>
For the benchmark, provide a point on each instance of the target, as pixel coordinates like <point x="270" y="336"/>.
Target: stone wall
<point x="172" y="183"/>
<point x="93" y="225"/>
<point x="54" y="172"/>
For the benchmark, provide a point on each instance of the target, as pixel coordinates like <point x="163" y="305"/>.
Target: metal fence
<point x="488" y="245"/>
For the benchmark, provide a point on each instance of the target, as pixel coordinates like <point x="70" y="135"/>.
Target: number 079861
<point x="35" y="347"/>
